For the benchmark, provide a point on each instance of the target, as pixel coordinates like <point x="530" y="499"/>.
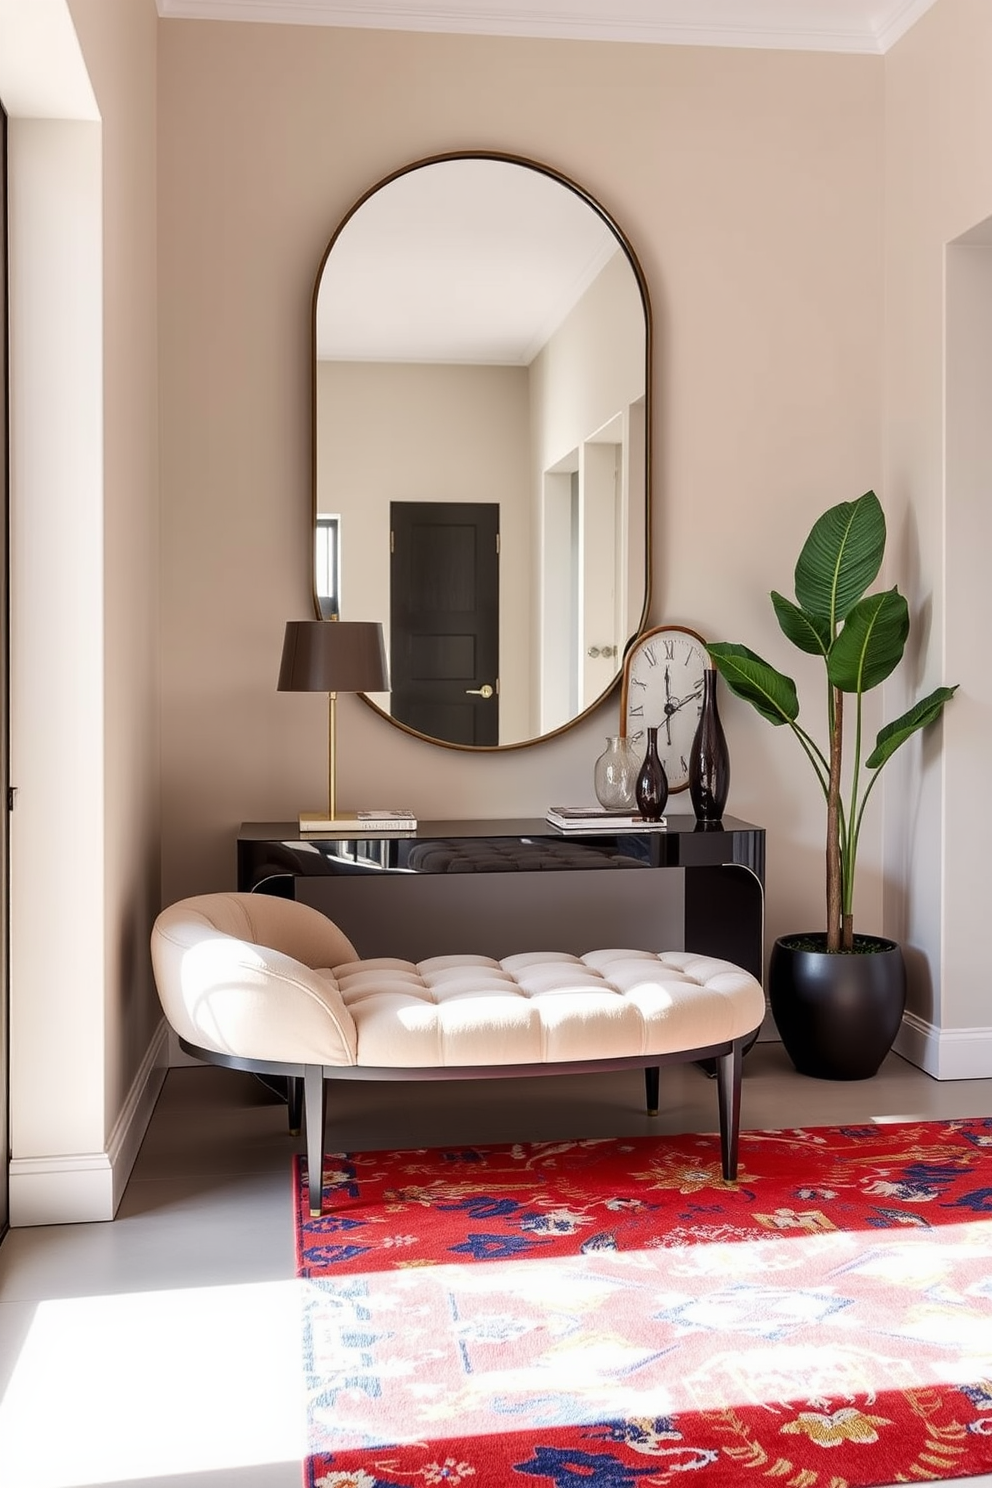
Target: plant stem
<point x="834" y="874"/>
<point x="851" y="844"/>
<point x="814" y="755"/>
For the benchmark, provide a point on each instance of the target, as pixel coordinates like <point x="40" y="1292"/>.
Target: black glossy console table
<point x="498" y="887"/>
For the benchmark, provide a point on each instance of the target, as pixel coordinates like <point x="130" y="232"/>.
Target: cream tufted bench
<point x="270" y="985"/>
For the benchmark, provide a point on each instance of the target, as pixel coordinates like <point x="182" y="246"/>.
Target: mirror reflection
<point x="481" y="354"/>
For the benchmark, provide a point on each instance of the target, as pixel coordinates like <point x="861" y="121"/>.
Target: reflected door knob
<point x="485" y="691"/>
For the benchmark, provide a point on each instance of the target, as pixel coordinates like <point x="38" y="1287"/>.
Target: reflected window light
<point x="327" y="565"/>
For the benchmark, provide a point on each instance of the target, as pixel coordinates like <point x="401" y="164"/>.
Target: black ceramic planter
<point x="838" y="1012"/>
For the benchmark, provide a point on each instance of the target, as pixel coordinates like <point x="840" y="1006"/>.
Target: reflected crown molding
<point x="861" y="26"/>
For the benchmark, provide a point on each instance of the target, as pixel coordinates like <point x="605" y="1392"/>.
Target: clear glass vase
<point x="615" y="775"/>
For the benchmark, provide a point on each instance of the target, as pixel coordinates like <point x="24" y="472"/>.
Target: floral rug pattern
<point x="610" y="1313"/>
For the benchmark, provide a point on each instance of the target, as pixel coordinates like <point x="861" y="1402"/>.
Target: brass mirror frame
<point x="632" y="259"/>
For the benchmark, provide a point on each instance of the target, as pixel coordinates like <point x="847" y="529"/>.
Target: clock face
<point x="663" y="688"/>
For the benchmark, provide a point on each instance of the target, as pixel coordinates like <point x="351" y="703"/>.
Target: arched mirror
<point x="481" y="445"/>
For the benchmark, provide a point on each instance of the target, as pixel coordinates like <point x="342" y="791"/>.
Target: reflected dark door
<point x="444" y="619"/>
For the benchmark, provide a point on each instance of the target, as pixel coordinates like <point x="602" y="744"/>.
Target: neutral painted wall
<point x="119" y="44"/>
<point x="750" y="186"/>
<point x="938" y="183"/>
<point x="589" y="375"/>
<point x="401" y="432"/>
<point x="592" y="368"/>
<point x="84" y="645"/>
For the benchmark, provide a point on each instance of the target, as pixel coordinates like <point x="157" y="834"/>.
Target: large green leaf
<point x="840" y="558"/>
<point x="893" y="734"/>
<point x="870" y="643"/>
<point x="803" y="630"/>
<point x="759" y="684"/>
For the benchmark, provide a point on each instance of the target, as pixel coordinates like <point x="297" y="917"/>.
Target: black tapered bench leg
<point x="728" y="1084"/>
<point x="651" y="1089"/>
<point x="315" y="1099"/>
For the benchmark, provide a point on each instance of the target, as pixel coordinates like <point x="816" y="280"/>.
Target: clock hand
<point x="682" y="701"/>
<point x="674" y="704"/>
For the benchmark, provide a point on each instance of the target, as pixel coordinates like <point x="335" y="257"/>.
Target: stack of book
<point x="387" y="821"/>
<point x="595" y="819"/>
<point x="362" y="821"/>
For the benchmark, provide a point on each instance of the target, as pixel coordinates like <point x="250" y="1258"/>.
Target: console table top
<point x="678" y="824"/>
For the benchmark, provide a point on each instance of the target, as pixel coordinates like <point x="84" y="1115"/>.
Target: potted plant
<point x="837" y="997"/>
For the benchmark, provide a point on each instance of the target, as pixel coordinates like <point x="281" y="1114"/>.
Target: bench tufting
<point x="267" y="984"/>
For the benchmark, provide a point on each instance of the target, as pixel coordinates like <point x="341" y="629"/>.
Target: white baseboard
<point x="132" y="1123"/>
<point x="945" y="1053"/>
<point x="79" y="1188"/>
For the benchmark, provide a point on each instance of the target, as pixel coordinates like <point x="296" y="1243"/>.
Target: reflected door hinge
<point x="497" y="545"/>
<point x="392" y="542"/>
<point x="11" y="793"/>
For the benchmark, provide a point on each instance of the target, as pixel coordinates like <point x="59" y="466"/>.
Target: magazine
<point x="593" y="818"/>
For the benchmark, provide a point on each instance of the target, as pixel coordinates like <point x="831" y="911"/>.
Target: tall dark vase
<point x="838" y="1012"/>
<point x="709" y="762"/>
<point x="651" y="790"/>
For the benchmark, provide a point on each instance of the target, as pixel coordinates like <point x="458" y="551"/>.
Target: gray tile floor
<point x="163" y="1348"/>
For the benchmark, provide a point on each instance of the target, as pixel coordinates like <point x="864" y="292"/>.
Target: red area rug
<point x="610" y="1313"/>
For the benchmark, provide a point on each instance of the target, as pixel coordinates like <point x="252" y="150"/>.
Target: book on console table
<point x="361" y="821"/>
<point x="593" y="818"/>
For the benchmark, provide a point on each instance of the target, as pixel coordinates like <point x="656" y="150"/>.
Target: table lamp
<point x="332" y="656"/>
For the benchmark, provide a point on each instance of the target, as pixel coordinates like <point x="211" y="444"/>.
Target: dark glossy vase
<point x="709" y="762"/>
<point x="838" y="1012"/>
<point x="651" y="790"/>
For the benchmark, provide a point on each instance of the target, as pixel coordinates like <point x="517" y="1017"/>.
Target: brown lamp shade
<point x="333" y="656"/>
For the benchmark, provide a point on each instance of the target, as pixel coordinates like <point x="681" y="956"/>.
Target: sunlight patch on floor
<point x="118" y="1389"/>
<point x="434" y="1351"/>
<point x="115" y="1389"/>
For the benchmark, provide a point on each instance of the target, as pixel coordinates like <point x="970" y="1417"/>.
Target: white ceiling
<point x="807" y="25"/>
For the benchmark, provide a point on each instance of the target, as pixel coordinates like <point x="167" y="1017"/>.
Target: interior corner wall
<point x="86" y="1045"/>
<point x="938" y="177"/>
<point x="749" y="185"/>
<point x="119" y="41"/>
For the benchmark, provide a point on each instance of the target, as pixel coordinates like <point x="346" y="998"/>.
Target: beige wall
<point x="750" y="186"/>
<point x="84" y="649"/>
<point x="938" y="177"/>
<point x="590" y="377"/>
<point x="401" y="432"/>
<point x="119" y="43"/>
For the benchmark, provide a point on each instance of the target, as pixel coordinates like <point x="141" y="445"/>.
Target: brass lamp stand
<point x="332" y="656"/>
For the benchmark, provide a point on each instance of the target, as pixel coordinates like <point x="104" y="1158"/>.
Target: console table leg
<point x="651" y="1089"/>
<point x="315" y="1098"/>
<point x="728" y="1081"/>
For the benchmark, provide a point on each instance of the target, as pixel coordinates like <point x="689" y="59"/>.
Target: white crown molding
<point x="896" y="19"/>
<point x="864" y="26"/>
